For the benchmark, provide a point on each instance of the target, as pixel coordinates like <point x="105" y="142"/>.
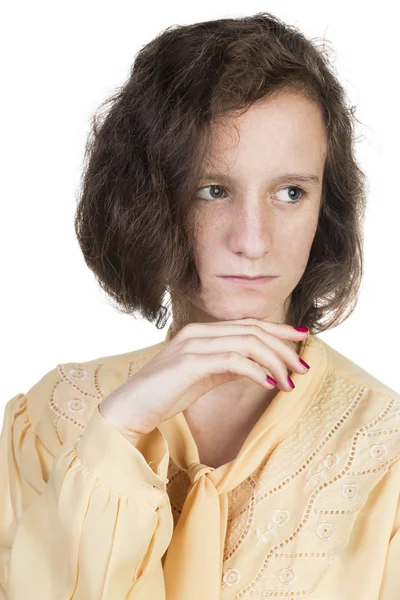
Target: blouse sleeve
<point x="390" y="586"/>
<point x="93" y="521"/>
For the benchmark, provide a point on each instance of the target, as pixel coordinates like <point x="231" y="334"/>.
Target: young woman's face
<point x="248" y="222"/>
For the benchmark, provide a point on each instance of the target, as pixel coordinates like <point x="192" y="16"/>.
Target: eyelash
<point x="297" y="187"/>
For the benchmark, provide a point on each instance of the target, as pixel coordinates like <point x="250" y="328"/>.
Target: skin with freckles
<point x="248" y="222"/>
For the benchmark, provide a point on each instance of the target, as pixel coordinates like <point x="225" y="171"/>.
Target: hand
<point x="199" y="358"/>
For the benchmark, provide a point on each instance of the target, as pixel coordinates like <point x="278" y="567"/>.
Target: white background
<point x="59" y="62"/>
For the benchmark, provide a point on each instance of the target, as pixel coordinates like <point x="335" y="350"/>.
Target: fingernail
<point x="291" y="382"/>
<point x="271" y="380"/>
<point x="303" y="362"/>
<point x="301" y="329"/>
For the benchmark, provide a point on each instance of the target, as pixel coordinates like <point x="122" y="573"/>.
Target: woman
<point x="216" y="464"/>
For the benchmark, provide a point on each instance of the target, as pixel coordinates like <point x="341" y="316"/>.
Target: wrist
<point x="106" y="413"/>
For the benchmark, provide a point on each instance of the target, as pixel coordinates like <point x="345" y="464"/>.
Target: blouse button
<point x="287" y="575"/>
<point x="231" y="577"/>
<point x="349" y="490"/>
<point x="75" y="404"/>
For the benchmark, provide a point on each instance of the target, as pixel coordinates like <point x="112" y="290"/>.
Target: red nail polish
<point x="291" y="382"/>
<point x="302" y="329"/>
<point x="303" y="362"/>
<point x="271" y="380"/>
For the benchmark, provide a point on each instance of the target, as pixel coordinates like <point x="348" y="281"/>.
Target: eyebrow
<point x="305" y="177"/>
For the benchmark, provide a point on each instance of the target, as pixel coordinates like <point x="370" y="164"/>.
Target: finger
<point x="281" y="330"/>
<point x="250" y="345"/>
<point x="240" y="328"/>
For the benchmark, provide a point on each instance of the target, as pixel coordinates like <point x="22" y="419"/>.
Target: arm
<point x="390" y="585"/>
<point x="96" y="528"/>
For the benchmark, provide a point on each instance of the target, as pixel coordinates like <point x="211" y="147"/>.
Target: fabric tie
<point x="194" y="561"/>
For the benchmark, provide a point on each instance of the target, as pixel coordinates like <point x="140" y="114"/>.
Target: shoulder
<point x="343" y="368"/>
<point x="61" y="403"/>
<point x="364" y="408"/>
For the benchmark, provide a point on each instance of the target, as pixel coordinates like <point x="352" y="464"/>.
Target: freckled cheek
<point x="203" y="256"/>
<point x="296" y="248"/>
<point x="204" y="247"/>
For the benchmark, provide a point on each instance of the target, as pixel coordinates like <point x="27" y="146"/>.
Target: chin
<point x="239" y="311"/>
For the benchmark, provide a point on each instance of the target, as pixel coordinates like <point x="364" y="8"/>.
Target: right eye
<point x="210" y="186"/>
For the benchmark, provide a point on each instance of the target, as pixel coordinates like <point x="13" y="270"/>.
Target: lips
<point x="248" y="281"/>
<point x="247" y="276"/>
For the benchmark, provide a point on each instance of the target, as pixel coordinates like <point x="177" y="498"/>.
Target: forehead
<point x="273" y="131"/>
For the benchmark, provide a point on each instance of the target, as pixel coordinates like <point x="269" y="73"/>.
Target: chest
<point x="219" y="438"/>
<point x="218" y="449"/>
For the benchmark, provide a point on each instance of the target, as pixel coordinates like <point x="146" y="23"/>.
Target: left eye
<point x="289" y="187"/>
<point x="296" y="188"/>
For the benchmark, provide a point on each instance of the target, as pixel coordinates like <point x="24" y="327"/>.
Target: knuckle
<point x="254" y="335"/>
<point x="246" y="337"/>
<point x="231" y="356"/>
<point x="186" y="345"/>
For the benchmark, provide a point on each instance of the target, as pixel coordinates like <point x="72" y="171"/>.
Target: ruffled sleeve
<point x="91" y="521"/>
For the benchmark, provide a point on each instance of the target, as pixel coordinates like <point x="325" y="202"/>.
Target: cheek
<point x="205" y="241"/>
<point x="296" y="246"/>
<point x="204" y="249"/>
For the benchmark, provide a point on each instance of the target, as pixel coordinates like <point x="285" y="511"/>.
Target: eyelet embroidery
<point x="279" y="518"/>
<point x="333" y="471"/>
<point x="73" y="404"/>
<point x="96" y="393"/>
<point x="325" y="530"/>
<point x="76" y="404"/>
<point x="328" y="463"/>
<point x="287" y="576"/>
<point x="335" y="527"/>
<point x="276" y="472"/>
<point x="231" y="577"/>
<point x="349" y="490"/>
<point x="78" y="373"/>
<point x="78" y="392"/>
<point x="378" y="451"/>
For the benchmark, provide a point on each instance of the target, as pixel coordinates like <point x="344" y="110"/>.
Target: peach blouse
<point x="308" y="509"/>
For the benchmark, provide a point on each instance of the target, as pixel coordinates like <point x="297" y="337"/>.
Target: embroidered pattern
<point x="317" y="524"/>
<point x="73" y="398"/>
<point x="333" y="461"/>
<point x="338" y="463"/>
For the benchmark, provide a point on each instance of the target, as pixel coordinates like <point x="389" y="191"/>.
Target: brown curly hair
<point x="144" y="159"/>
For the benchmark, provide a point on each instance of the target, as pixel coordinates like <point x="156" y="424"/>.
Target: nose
<point x="252" y="229"/>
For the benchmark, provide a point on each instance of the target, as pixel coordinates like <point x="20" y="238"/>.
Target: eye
<point x="220" y="187"/>
<point x="211" y="187"/>
<point x="296" y="188"/>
